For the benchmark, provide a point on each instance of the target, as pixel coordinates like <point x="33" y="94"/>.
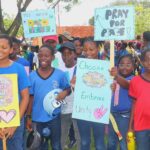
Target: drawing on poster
<point x="9" y="101"/>
<point x="6" y="94"/>
<point x="100" y="112"/>
<point x="94" y="79"/>
<point x="7" y="116"/>
<point x="40" y="25"/>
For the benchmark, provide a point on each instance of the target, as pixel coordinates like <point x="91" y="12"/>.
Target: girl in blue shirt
<point x="91" y="51"/>
<point x="44" y="80"/>
<point x="14" y="135"/>
<point x="121" y="102"/>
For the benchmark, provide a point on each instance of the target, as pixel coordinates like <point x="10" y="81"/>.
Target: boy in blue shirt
<point x="43" y="81"/>
<point x="14" y="135"/>
<point x="15" y="57"/>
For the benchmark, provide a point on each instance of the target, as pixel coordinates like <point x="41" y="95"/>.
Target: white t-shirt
<point x="68" y="107"/>
<point x="58" y="62"/>
<point x="35" y="59"/>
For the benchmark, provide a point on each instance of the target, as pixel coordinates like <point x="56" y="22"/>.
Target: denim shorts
<point x="143" y="139"/>
<point x="122" y="119"/>
<point x="55" y="128"/>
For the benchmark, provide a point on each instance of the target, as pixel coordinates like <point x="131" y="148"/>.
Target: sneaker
<point x="72" y="143"/>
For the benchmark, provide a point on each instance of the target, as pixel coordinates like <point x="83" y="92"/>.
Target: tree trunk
<point x="2" y="29"/>
<point x="13" y="29"/>
<point x="17" y="26"/>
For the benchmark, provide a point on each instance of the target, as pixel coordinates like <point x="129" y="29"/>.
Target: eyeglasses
<point x="125" y="65"/>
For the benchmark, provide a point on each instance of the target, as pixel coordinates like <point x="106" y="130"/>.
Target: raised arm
<point x="121" y="80"/>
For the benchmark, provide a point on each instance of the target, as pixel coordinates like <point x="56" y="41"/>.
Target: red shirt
<point x="140" y="90"/>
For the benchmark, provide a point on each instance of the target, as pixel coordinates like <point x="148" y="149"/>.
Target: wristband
<point x="28" y="116"/>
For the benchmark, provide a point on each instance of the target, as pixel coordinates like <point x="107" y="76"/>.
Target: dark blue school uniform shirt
<point x="125" y="101"/>
<point x="24" y="62"/>
<point x="40" y="87"/>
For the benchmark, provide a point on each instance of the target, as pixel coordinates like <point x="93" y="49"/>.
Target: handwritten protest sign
<point x="38" y="23"/>
<point x="114" y="23"/>
<point x="9" y="103"/>
<point x="92" y="91"/>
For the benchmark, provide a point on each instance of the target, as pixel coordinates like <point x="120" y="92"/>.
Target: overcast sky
<point x="79" y="14"/>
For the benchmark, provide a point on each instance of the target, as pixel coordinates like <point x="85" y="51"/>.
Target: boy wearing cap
<point x="68" y="55"/>
<point x="52" y="41"/>
<point x="66" y="37"/>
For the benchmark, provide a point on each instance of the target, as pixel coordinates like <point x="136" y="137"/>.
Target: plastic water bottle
<point x="131" y="141"/>
<point x="46" y="132"/>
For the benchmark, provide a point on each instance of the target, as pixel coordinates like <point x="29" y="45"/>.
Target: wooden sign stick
<point x="112" y="54"/>
<point x="112" y="62"/>
<point x="4" y="143"/>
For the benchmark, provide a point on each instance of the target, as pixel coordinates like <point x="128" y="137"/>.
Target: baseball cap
<point x="68" y="45"/>
<point x="51" y="37"/>
<point x="33" y="140"/>
<point x="67" y="35"/>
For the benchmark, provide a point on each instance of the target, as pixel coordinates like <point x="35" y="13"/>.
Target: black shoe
<point x="72" y="143"/>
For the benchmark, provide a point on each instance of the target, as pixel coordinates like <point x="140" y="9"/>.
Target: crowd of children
<point x="52" y="66"/>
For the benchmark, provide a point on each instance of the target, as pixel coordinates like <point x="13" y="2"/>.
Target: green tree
<point x="91" y="21"/>
<point x="12" y="26"/>
<point x="68" y="3"/>
<point x="8" y="20"/>
<point x="142" y="19"/>
<point x="9" y="25"/>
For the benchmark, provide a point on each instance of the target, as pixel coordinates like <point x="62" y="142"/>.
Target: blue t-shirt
<point x="30" y="59"/>
<point x="124" y="100"/>
<point x="15" y="68"/>
<point x="23" y="61"/>
<point x="142" y="70"/>
<point x="40" y="87"/>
